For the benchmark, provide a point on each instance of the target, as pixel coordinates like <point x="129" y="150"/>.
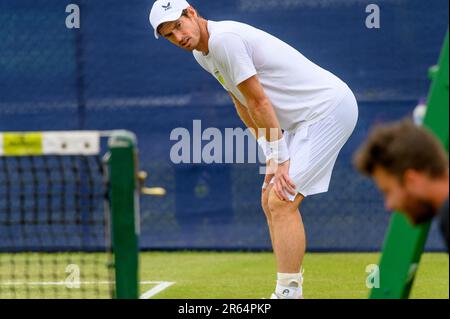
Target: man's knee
<point x="265" y="205"/>
<point x="265" y="202"/>
<point x="279" y="208"/>
<point x="276" y="205"/>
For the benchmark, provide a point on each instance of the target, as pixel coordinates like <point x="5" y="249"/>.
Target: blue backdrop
<point x="112" y="74"/>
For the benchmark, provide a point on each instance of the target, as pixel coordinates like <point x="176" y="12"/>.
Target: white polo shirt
<point x="299" y="90"/>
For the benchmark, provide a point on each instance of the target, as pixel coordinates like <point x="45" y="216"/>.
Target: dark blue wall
<point x="113" y="74"/>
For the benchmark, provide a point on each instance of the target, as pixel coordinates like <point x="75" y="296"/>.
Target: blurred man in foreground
<point x="410" y="167"/>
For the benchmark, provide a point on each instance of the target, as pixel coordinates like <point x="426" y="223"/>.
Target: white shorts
<point x="314" y="148"/>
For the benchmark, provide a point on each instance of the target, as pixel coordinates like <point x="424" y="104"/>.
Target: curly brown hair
<point x="400" y="146"/>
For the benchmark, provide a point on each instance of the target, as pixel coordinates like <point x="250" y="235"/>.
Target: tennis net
<point x="56" y="217"/>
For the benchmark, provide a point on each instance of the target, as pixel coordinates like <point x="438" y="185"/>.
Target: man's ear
<point x="191" y="12"/>
<point x="412" y="179"/>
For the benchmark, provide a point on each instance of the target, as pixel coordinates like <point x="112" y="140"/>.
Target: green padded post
<point x="436" y="117"/>
<point x="404" y="243"/>
<point x="124" y="210"/>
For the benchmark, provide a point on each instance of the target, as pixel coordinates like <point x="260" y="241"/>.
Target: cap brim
<point x="171" y="17"/>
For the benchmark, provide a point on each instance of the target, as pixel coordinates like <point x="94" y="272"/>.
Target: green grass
<point x="252" y="275"/>
<point x="50" y="276"/>
<point x="210" y="275"/>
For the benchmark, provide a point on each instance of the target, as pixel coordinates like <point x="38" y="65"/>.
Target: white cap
<point x="165" y="11"/>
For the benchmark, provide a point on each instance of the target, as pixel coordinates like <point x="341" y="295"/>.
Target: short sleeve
<point x="230" y="51"/>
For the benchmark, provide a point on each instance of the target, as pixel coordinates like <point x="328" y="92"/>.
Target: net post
<point x="124" y="210"/>
<point x="405" y="243"/>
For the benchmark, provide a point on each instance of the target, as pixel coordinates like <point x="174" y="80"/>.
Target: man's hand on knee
<point x="269" y="175"/>
<point x="283" y="184"/>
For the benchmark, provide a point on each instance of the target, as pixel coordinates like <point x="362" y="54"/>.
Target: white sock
<point x="289" y="285"/>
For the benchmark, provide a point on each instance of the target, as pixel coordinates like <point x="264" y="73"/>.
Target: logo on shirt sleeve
<point x="219" y="77"/>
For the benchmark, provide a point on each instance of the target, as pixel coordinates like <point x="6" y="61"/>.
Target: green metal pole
<point x="404" y="243"/>
<point x="436" y="117"/>
<point x="124" y="211"/>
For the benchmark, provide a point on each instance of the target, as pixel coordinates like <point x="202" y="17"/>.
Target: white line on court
<point x="160" y="286"/>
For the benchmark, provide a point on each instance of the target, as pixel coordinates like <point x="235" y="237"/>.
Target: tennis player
<point x="310" y="112"/>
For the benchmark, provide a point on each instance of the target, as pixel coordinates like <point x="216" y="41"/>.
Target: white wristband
<point x="279" y="151"/>
<point x="264" y="144"/>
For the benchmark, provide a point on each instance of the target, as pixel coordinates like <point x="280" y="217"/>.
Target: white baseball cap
<point x="165" y="11"/>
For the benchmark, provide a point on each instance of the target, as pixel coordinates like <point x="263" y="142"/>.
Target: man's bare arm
<point x="260" y="108"/>
<point x="263" y="115"/>
<point x="244" y="115"/>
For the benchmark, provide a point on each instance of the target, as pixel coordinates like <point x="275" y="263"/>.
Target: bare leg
<point x="265" y="206"/>
<point x="287" y="232"/>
